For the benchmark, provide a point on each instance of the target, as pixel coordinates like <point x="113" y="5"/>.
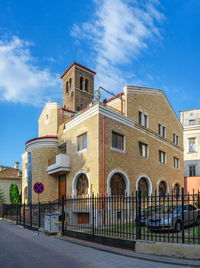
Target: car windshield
<point x="170" y="209"/>
<point x="151" y="209"/>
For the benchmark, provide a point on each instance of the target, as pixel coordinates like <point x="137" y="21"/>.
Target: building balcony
<point x="59" y="164"/>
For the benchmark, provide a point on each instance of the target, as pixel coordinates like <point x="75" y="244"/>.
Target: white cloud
<point x="20" y="79"/>
<point x="118" y="32"/>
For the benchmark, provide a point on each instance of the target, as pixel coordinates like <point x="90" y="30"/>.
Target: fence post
<point x="93" y="216"/>
<point x="20" y="213"/>
<point x="24" y="215"/>
<point x="138" y="214"/>
<point x="39" y="216"/>
<point x="30" y="208"/>
<point x="63" y="216"/>
<point x="17" y="213"/>
<point x="182" y="205"/>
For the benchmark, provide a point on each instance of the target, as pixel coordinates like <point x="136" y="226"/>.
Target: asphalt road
<point x="25" y="249"/>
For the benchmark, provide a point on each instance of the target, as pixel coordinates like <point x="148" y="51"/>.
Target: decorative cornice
<point x="142" y="90"/>
<point x="42" y="142"/>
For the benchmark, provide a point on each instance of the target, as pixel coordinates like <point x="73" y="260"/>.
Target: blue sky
<point x="146" y="43"/>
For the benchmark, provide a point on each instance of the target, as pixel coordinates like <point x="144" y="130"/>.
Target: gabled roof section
<point x="79" y="65"/>
<point x="151" y="91"/>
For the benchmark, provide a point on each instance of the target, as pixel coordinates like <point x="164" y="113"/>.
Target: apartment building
<point x="190" y="120"/>
<point x="133" y="141"/>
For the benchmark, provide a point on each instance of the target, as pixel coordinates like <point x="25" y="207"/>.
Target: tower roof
<point x="79" y="65"/>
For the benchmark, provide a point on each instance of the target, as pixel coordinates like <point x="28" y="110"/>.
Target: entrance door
<point x="61" y="186"/>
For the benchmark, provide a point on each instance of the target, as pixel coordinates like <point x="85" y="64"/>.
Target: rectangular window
<point x="143" y="149"/>
<point x="176" y="162"/>
<point x="142" y="119"/>
<point x="162" y="157"/>
<point x="192" y="145"/>
<point x="192" y="170"/>
<point x="191" y="122"/>
<point x="82" y="142"/>
<point x="175" y="139"/>
<point x="161" y="130"/>
<point x="145" y="120"/>
<point x="117" y="141"/>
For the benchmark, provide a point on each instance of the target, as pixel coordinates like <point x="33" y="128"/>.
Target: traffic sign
<point x="38" y="187"/>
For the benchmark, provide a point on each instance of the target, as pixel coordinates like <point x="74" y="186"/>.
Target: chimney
<point x="16" y="165"/>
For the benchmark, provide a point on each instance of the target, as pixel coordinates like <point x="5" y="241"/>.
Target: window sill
<point x="163" y="164"/>
<point x="143" y="157"/>
<point x="81" y="151"/>
<point x="118" y="150"/>
<point x="192" y="152"/>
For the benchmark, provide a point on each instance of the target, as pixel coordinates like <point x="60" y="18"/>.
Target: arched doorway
<point x="162" y="189"/>
<point x="143" y="187"/>
<point x="117" y="185"/>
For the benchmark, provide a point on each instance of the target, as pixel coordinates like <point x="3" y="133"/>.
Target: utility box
<point x="51" y="222"/>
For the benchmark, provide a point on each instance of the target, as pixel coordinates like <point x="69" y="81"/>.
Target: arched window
<point x="82" y="185"/>
<point x="81" y="83"/>
<point x="86" y="84"/>
<point x="67" y="87"/>
<point x="143" y="187"/>
<point x="70" y="84"/>
<point x="117" y="184"/>
<point x="176" y="189"/>
<point x="162" y="189"/>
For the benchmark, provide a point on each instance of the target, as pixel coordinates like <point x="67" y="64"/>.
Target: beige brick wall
<point x="86" y="160"/>
<point x="158" y="111"/>
<point x="49" y="120"/>
<point x="133" y="164"/>
<point x="5" y="186"/>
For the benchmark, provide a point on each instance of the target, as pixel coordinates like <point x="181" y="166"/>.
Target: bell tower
<point x="78" y="87"/>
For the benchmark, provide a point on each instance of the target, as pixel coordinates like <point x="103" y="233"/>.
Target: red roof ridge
<point x="78" y="64"/>
<point x="114" y="97"/>
<point x="67" y="110"/>
<point x="42" y="137"/>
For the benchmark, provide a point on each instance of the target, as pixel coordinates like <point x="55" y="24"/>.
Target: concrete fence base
<point x="168" y="249"/>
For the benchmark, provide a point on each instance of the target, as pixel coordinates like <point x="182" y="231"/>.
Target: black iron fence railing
<point x="172" y="218"/>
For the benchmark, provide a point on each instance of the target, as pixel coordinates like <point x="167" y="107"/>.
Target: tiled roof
<point x="10" y="173"/>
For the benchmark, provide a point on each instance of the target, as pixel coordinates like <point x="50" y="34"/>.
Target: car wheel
<point x="198" y="220"/>
<point x="178" y="226"/>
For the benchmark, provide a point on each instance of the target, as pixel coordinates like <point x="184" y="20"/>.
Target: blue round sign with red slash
<point x="38" y="187"/>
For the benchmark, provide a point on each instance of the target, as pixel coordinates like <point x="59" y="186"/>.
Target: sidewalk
<point x="131" y="254"/>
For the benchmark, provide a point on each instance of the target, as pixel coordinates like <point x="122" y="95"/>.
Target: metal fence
<point x="171" y="218"/>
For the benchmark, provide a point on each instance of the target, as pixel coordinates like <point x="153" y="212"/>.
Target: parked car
<point x="170" y="218"/>
<point x="148" y="212"/>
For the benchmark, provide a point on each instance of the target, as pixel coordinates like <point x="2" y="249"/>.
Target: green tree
<point x="2" y="197"/>
<point x="14" y="194"/>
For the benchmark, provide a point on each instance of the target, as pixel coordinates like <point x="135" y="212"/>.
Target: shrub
<point x="14" y="194"/>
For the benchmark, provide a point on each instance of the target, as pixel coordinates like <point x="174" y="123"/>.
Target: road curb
<point x="130" y="254"/>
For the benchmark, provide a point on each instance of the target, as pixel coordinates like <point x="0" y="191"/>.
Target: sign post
<point x="38" y="189"/>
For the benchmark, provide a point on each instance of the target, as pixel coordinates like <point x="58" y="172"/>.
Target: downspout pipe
<point x="103" y="156"/>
